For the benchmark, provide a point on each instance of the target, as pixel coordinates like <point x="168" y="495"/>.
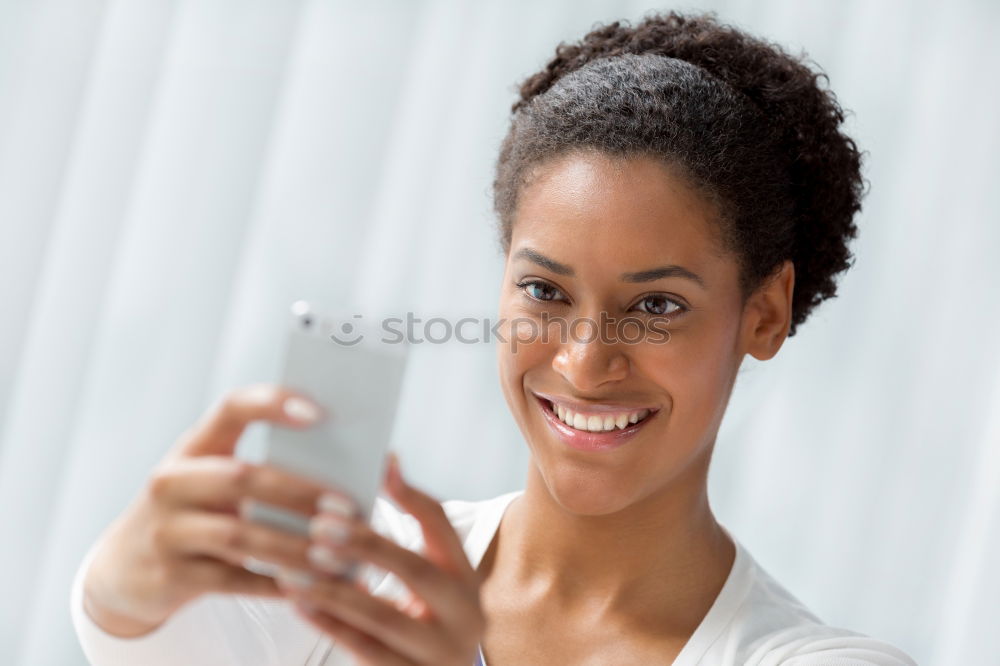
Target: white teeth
<point x="596" y="423"/>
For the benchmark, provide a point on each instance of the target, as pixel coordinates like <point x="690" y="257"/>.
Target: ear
<point x="767" y="315"/>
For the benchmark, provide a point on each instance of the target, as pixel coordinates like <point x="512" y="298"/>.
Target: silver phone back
<point x="356" y="378"/>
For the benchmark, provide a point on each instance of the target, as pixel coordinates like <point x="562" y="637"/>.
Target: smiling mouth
<point x="608" y="422"/>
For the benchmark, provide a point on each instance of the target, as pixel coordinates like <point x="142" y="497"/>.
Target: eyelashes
<point x="526" y="285"/>
<point x="542" y="287"/>
<point x="680" y="309"/>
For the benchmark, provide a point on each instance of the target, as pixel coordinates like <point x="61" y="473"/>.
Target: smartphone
<point x="343" y="364"/>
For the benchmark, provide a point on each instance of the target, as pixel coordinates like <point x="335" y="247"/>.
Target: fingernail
<point x="333" y="503"/>
<point x="260" y="567"/>
<point x="294" y="579"/>
<point x="301" y="410"/>
<point x="329" y="528"/>
<point x="395" y="475"/>
<point x="326" y="560"/>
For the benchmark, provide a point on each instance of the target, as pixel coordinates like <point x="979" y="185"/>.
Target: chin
<point x="586" y="491"/>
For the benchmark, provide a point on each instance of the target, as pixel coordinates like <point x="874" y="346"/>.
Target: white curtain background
<point x="173" y="174"/>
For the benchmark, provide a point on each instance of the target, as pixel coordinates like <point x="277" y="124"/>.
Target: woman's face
<point x="590" y="237"/>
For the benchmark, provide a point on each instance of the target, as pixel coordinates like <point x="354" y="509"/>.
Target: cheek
<point x="695" y="373"/>
<point x="521" y="360"/>
<point x="520" y="346"/>
<point x="517" y="358"/>
<point x="510" y="358"/>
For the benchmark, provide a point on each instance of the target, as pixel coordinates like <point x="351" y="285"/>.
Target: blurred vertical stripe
<point x="173" y="174"/>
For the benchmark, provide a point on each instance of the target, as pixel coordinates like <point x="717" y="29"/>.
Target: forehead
<point x="595" y="210"/>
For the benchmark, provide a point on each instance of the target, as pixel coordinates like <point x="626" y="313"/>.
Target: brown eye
<point x="540" y="291"/>
<point x="659" y="304"/>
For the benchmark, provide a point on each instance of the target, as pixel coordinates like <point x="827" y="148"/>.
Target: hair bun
<point x="823" y="165"/>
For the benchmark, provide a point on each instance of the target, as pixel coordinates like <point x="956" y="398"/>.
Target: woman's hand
<point x="184" y="536"/>
<point x="442" y="623"/>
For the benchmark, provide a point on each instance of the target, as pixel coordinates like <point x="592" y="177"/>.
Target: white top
<point x="753" y="622"/>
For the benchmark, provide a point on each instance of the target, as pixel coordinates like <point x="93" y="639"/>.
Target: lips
<point x="586" y="440"/>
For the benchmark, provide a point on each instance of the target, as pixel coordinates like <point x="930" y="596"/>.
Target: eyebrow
<point x="543" y="261"/>
<point x="671" y="270"/>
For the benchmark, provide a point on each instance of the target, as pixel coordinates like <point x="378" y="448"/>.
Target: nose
<point x="587" y="361"/>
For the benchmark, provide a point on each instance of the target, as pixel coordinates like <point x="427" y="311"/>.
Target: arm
<point x="210" y="630"/>
<point x="166" y="582"/>
<point x="214" y="630"/>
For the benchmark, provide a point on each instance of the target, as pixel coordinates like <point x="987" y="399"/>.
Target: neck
<point x="664" y="552"/>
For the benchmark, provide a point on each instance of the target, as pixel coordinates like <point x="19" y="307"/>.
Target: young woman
<point x="672" y="197"/>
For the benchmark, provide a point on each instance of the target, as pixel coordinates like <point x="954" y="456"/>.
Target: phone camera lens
<point x="306" y="321"/>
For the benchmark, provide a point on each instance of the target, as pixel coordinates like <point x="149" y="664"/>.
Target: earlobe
<point x="769" y="313"/>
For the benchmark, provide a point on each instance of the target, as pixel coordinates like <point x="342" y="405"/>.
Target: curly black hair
<point x="746" y="123"/>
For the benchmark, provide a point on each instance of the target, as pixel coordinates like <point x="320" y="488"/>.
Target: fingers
<point x="443" y="620"/>
<point x="453" y="600"/>
<point x="221" y="482"/>
<point x="442" y="545"/>
<point x="209" y="575"/>
<point x="366" y="649"/>
<point x="232" y="540"/>
<point x="219" y="429"/>
<point x="375" y="625"/>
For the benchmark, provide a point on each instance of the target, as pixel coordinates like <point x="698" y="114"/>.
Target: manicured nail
<point x="329" y="528"/>
<point x="326" y="560"/>
<point x="333" y="503"/>
<point x="260" y="567"/>
<point x="294" y="579"/>
<point x="302" y="410"/>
